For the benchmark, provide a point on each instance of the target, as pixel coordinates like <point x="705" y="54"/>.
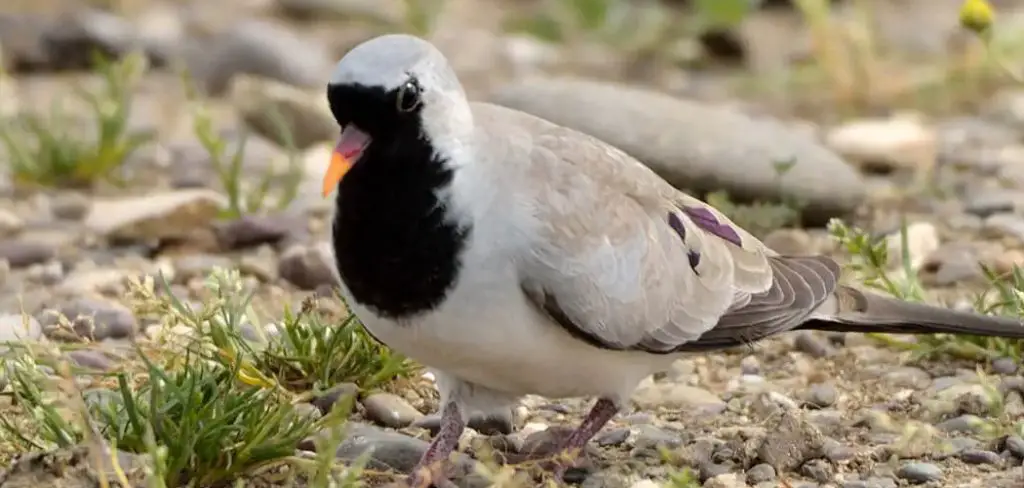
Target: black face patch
<point x="396" y="250"/>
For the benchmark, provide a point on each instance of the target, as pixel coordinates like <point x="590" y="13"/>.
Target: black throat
<point x="396" y="248"/>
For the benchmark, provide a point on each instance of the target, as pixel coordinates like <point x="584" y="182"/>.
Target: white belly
<point x="487" y="333"/>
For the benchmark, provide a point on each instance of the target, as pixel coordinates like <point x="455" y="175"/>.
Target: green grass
<point x="205" y="408"/>
<point x="53" y="150"/>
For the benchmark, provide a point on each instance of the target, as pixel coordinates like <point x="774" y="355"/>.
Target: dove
<point x="512" y="256"/>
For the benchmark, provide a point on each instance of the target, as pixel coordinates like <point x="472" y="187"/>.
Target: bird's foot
<point x="430" y="470"/>
<point x="570" y="448"/>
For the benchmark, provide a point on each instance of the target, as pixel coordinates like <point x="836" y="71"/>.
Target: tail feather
<point x="857" y="311"/>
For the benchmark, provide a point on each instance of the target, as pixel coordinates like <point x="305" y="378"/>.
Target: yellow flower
<point x="976" y="16"/>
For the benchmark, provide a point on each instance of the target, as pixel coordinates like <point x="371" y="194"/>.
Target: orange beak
<point x="335" y="172"/>
<point x="350" y="147"/>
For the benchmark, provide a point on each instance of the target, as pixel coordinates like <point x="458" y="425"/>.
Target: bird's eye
<point x="409" y="96"/>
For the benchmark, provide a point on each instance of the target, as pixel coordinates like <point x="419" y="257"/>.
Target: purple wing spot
<point x="707" y="221"/>
<point x="694" y="257"/>
<point x="677" y="225"/>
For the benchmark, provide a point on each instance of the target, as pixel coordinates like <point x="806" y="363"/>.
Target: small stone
<point x="94" y="319"/>
<point x="307" y="267"/>
<point x="809" y="343"/>
<point x="168" y="215"/>
<point x="10" y="224"/>
<point x="673" y="395"/>
<point x="1004" y="366"/>
<point x="793" y="441"/>
<point x="197" y="266"/>
<point x="980" y="456"/>
<point x="873" y="482"/>
<point x="70" y="206"/>
<point x="908" y="377"/>
<point x="709" y="471"/>
<point x="325" y="402"/>
<point x="255" y="230"/>
<point x="922" y="240"/>
<point x="489" y="424"/>
<point x="750" y="365"/>
<point x="91" y="359"/>
<point x="886" y="145"/>
<point x="278" y="111"/>
<point x="613" y="437"/>
<point x="818" y="470"/>
<point x="390" y="410"/>
<point x="23" y="253"/>
<point x="790" y="242"/>
<point x="916" y="472"/>
<point x="726" y="480"/>
<point x="17" y="327"/>
<point x="837" y="452"/>
<point x="760" y="473"/>
<point x="650" y="439"/>
<point x="822" y="395"/>
<point x="1015" y="445"/>
<point x="962" y="423"/>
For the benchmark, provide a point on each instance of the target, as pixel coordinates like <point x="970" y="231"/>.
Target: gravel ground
<point x="805" y="410"/>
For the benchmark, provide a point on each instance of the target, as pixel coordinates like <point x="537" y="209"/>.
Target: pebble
<point x="1004" y="366"/>
<point x="18" y="327"/>
<point x="325" y="402"/>
<point x="23" y="253"/>
<point x="1015" y="444"/>
<point x="612" y="437"/>
<point x="673" y="395"/>
<point x="650" y="438"/>
<point x="817" y="469"/>
<point x="70" y="206"/>
<point x="962" y="423"/>
<point x="793" y="441"/>
<point x="94" y="318"/>
<point x="267" y="107"/>
<point x="873" y="482"/>
<point x="256" y="230"/>
<point x="811" y="344"/>
<point x="164" y="215"/>
<point x="390" y="410"/>
<point x="886" y="145"/>
<point x="980" y="456"/>
<point x="726" y="480"/>
<point x="307" y="266"/>
<point x="761" y="473"/>
<point x="10" y="224"/>
<point x="916" y="472"/>
<point x="822" y="395"/>
<point x="92" y="359"/>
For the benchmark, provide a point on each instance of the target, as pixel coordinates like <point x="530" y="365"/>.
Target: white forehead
<point x="388" y="60"/>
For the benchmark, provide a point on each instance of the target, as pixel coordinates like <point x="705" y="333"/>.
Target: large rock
<point x="696" y="146"/>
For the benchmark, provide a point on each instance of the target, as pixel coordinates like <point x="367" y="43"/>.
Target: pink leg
<point x="599" y="415"/>
<point x="444" y="443"/>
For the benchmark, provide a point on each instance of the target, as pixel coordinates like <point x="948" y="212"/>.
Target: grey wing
<point x="800" y="285"/>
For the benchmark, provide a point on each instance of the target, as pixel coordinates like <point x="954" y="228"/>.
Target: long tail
<point x="852" y="310"/>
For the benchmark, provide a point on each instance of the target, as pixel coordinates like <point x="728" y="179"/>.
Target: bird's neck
<point x="397" y="245"/>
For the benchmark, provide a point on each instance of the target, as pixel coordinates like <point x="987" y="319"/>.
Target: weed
<point x="50" y="151"/>
<point x="1004" y="296"/>
<point x="231" y="169"/>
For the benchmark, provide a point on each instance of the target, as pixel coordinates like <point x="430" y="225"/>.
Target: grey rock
<point x="326" y="400"/>
<point x="255" y="230"/>
<point x="818" y="470"/>
<point x="990" y="202"/>
<point x="613" y="437"/>
<point x="390" y="410"/>
<point x="17" y="327"/>
<point x="1004" y="366"/>
<point x="20" y="253"/>
<point x="813" y="345"/>
<point x="650" y="438"/>
<point x="288" y="116"/>
<point x="260" y="48"/>
<point x="980" y="456"/>
<point x="872" y="482"/>
<point x="70" y="206"/>
<point x="916" y="472"/>
<point x="710" y="471"/>
<point x="908" y="377"/>
<point x="73" y="467"/>
<point x="91" y="359"/>
<point x="485" y="424"/>
<point x="793" y="441"/>
<point x="962" y="423"/>
<point x="1015" y="445"/>
<point x="308" y="266"/>
<point x="709" y="148"/>
<point x="760" y="473"/>
<point x="197" y="266"/>
<point x="91" y="318"/>
<point x="837" y="452"/>
<point x="822" y="395"/>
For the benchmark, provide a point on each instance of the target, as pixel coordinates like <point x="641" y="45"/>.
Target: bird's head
<point x="389" y="91"/>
